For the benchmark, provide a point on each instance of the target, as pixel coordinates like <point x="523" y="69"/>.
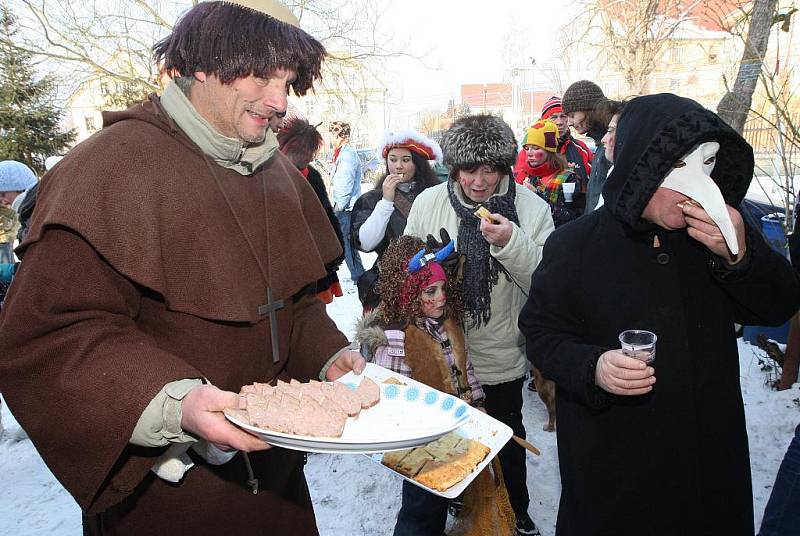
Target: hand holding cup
<point x="620" y="374"/>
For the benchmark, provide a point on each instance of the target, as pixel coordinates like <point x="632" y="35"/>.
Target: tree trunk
<point x="791" y="363"/>
<point x="735" y="105"/>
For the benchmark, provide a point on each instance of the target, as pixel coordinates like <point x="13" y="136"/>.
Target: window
<point x="309" y="108"/>
<point x="363" y="105"/>
<point x="90" y="124"/>
<point x="675" y="54"/>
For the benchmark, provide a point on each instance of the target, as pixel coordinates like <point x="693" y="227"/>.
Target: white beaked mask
<point x="694" y="181"/>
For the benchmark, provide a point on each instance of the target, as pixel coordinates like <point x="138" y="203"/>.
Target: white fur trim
<point x="395" y="138"/>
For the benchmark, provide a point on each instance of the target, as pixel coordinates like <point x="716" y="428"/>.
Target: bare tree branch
<point x="112" y="40"/>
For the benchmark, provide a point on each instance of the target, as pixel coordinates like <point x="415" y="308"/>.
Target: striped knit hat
<point x="552" y="106"/>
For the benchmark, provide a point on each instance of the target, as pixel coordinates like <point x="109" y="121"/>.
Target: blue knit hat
<point x="15" y="176"/>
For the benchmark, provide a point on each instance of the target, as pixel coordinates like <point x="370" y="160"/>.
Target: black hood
<point x="653" y="133"/>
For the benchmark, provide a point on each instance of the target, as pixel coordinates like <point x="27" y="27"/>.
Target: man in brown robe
<point x="169" y="255"/>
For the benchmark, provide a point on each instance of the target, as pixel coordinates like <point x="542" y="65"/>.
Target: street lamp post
<point x="533" y="92"/>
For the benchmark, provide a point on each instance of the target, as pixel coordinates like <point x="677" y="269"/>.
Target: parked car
<point x="372" y="165"/>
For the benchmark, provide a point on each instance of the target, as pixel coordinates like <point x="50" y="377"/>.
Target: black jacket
<point x="362" y="210"/>
<point x="600" y="167"/>
<point x="676" y="460"/>
<point x="316" y="182"/>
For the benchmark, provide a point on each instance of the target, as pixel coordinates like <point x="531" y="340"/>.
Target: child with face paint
<point x="416" y="332"/>
<point x="548" y="172"/>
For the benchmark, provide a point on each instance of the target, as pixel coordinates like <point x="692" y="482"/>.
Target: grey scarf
<point x="481" y="270"/>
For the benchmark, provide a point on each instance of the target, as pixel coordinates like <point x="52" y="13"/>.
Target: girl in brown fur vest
<point x="416" y="332"/>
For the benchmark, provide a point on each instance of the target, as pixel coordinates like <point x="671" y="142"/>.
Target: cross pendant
<point x="269" y="309"/>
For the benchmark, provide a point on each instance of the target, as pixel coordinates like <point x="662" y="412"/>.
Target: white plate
<point x="407" y="416"/>
<point x="480" y="427"/>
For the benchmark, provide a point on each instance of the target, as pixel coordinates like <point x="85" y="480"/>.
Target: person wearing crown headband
<point x="379" y="215"/>
<point x="416" y="332"/>
<point x="500" y="251"/>
<point x="657" y="447"/>
<point x="172" y="260"/>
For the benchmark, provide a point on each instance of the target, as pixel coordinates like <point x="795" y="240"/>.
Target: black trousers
<point x="422" y="513"/>
<point x="504" y="403"/>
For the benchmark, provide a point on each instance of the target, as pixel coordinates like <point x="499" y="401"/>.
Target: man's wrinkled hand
<point x="620" y="374"/>
<point x="202" y="417"/>
<point x="347" y="361"/>
<point x="702" y="228"/>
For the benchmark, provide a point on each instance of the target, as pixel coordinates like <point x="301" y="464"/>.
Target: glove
<point x="451" y="262"/>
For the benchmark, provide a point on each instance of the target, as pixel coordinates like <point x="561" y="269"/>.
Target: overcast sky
<point x="469" y="42"/>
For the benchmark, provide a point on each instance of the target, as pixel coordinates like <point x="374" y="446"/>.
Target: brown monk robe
<point x="136" y="273"/>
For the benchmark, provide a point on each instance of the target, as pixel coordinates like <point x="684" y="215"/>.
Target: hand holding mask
<point x="707" y="215"/>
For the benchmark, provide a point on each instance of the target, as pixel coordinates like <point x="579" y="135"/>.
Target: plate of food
<point x="447" y="465"/>
<point x="357" y="414"/>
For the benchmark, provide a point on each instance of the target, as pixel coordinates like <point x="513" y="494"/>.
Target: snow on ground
<point x="354" y="496"/>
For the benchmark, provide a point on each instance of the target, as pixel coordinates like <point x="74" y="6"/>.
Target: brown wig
<point x="297" y="136"/>
<point x="393" y="272"/>
<point x="424" y="175"/>
<point x="234" y="42"/>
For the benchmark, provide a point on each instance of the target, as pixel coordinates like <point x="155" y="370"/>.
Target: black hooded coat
<point x="673" y="461"/>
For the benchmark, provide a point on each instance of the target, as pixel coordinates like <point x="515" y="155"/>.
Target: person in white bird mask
<point x="656" y="447"/>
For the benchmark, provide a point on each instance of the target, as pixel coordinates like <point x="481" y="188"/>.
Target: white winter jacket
<point x="497" y="348"/>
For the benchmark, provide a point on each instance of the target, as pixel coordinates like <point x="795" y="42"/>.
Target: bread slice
<point x="411" y="464"/>
<point x="440" y="464"/>
<point x="473" y="453"/>
<point x="393" y="459"/>
<point x="441" y="475"/>
<point x="446" y="451"/>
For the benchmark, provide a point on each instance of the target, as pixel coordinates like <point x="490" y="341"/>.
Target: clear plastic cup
<point x="639" y="344"/>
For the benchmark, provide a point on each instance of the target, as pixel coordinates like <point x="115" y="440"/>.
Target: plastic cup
<point x="568" y="188"/>
<point x="639" y="344"/>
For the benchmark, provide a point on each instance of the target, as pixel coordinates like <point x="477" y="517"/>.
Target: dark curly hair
<point x="233" y="42"/>
<point x="393" y="272"/>
<point x="298" y="136"/>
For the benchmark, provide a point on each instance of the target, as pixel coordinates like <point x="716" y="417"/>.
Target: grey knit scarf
<point x="481" y="270"/>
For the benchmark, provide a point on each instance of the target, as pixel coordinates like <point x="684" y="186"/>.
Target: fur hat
<point x="552" y="106"/>
<point x="543" y="134"/>
<point x="580" y="96"/>
<point x="15" y="176"/>
<point x="413" y="141"/>
<point x="476" y="140"/>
